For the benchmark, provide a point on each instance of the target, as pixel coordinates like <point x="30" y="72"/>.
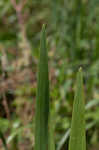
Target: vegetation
<point x="42" y="132"/>
<point x="72" y="42"/>
<point x="42" y="104"/>
<point x="77" y="138"/>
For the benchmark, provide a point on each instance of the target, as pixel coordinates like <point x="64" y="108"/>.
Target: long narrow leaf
<point x="42" y="101"/>
<point x="51" y="131"/>
<point x="3" y="141"/>
<point x="77" y="136"/>
<point x="63" y="140"/>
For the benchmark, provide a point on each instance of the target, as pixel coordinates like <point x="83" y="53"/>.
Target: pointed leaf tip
<point x="80" y="69"/>
<point x="77" y="136"/>
<point x="44" y="27"/>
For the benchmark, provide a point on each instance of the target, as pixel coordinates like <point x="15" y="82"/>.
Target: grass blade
<point x="42" y="101"/>
<point x="63" y="140"/>
<point x="51" y="131"/>
<point x="3" y="141"/>
<point x="77" y="136"/>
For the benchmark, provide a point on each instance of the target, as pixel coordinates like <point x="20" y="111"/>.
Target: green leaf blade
<point x="42" y="101"/>
<point x="51" y="131"/>
<point x="3" y="141"/>
<point x="77" y="136"/>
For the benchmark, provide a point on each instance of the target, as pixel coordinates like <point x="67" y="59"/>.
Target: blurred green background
<point x="72" y="28"/>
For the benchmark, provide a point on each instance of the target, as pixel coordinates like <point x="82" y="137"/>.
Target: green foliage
<point x="73" y="41"/>
<point x="77" y="136"/>
<point x="42" y="102"/>
<point x="51" y="131"/>
<point x="3" y="140"/>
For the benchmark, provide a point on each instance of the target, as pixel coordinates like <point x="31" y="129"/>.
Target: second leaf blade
<point x="77" y="136"/>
